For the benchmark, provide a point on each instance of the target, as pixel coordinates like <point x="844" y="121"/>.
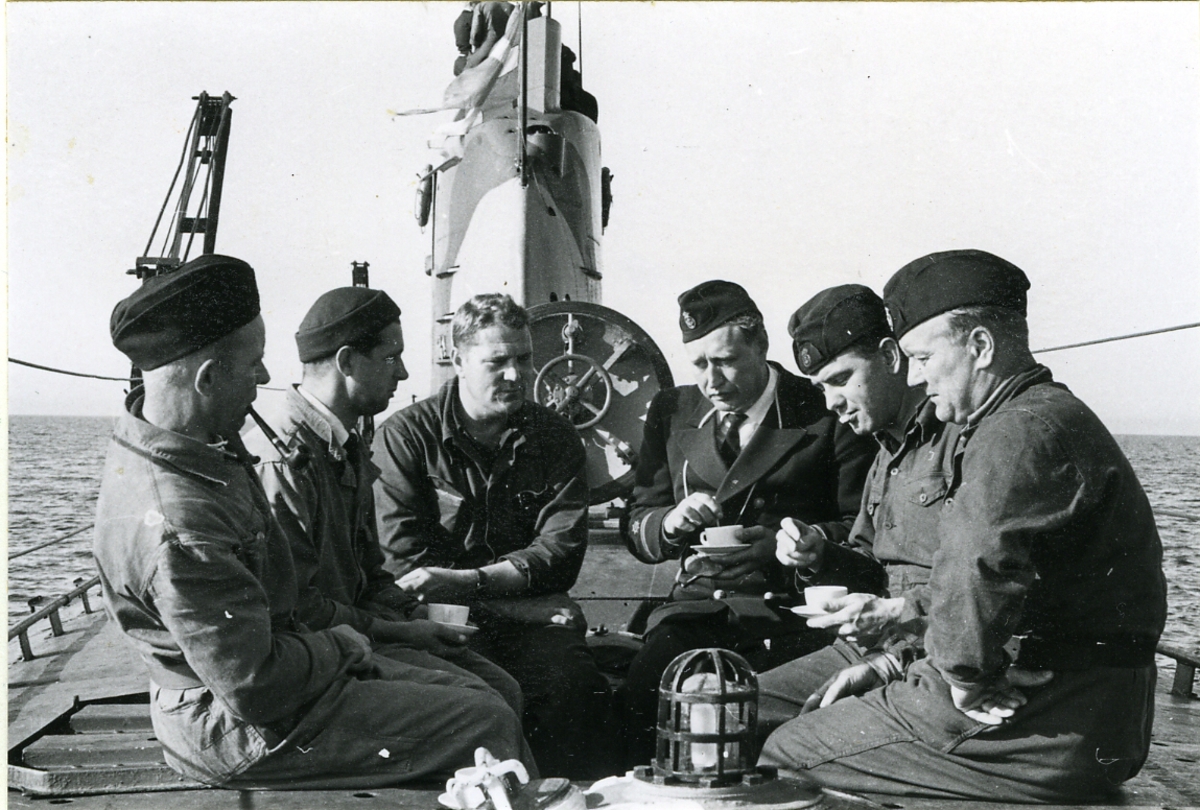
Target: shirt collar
<point x="335" y="431"/>
<point x="1007" y="390"/>
<point x="757" y="412"/>
<point x="452" y="428"/>
<point x="218" y="464"/>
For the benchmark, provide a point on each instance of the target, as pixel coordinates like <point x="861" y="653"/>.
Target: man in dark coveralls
<point x="350" y="343"/>
<point x="842" y="341"/>
<point x="748" y="446"/>
<point x="198" y="577"/>
<point x="1045" y="536"/>
<point x="482" y="500"/>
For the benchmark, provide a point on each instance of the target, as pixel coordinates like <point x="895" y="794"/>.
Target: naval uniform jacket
<point x="799" y="463"/>
<point x="327" y="511"/>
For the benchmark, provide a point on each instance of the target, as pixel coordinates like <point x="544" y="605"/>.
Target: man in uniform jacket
<point x="350" y="343"/>
<point x="842" y="341"/>
<point x="1047" y="590"/>
<point x="199" y="578"/>
<point x="748" y="446"/>
<point x="482" y="500"/>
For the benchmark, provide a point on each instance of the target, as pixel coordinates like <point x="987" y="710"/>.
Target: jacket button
<point x="870" y="509"/>
<point x="759" y="503"/>
<point x="260" y="536"/>
<point x="924" y="497"/>
<point x="894" y="471"/>
<point x="949" y="502"/>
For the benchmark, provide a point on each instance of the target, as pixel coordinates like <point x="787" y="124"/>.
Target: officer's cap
<point x="941" y="282"/>
<point x="834" y="319"/>
<point x="710" y="305"/>
<point x="172" y="315"/>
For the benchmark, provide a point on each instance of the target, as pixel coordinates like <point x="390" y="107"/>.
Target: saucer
<point x="465" y="629"/>
<point x="809" y="611"/>
<point x="728" y="549"/>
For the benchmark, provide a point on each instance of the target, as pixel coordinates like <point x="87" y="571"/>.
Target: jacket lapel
<point x="696" y="441"/>
<point x="775" y="438"/>
<point x="768" y="445"/>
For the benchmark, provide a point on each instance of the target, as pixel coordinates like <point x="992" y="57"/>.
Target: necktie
<point x="729" y="440"/>
<point x="351" y="450"/>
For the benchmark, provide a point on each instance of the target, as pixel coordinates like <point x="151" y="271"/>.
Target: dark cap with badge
<point x="941" y="282"/>
<point x="174" y="314"/>
<point x="342" y="317"/>
<point x="711" y="305"/>
<point x="833" y="320"/>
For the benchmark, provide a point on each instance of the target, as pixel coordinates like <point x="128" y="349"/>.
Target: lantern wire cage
<point x="707" y="718"/>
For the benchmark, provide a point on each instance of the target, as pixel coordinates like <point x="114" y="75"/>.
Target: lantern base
<point x="762" y="791"/>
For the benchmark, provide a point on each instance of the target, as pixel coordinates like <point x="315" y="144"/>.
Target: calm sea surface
<point x="55" y="465"/>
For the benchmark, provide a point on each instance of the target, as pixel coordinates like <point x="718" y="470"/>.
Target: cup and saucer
<point x="718" y="540"/>
<point x="452" y="616"/>
<point x="817" y="599"/>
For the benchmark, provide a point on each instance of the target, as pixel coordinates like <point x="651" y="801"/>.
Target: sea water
<point x="55" y="464"/>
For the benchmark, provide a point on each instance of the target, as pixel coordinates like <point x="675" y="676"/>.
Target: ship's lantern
<point x="707" y="714"/>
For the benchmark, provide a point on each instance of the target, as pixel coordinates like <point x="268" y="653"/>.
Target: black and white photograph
<point x="545" y="406"/>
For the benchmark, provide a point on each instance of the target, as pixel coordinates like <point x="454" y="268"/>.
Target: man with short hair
<point x="198" y="577"/>
<point x="843" y="343"/>
<point x="482" y="501"/>
<point x="350" y="343"/>
<point x="749" y="445"/>
<point x="1046" y="537"/>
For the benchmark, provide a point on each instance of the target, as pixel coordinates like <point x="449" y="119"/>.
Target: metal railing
<point x="21" y="630"/>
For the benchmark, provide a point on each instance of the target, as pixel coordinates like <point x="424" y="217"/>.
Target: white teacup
<point x="818" y="596"/>
<point x="720" y="536"/>
<point x="449" y="614"/>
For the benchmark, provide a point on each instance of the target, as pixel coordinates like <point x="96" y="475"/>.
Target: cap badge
<point x="891" y="323"/>
<point x="688" y="320"/>
<point x="805" y="357"/>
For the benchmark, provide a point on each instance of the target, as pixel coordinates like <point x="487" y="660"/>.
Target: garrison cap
<point x="834" y="319"/>
<point x="710" y="305"/>
<point x="174" y="314"/>
<point x="941" y="282"/>
<point x="341" y="317"/>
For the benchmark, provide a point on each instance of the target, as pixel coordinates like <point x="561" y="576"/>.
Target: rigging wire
<point x="64" y="371"/>
<point x="1119" y="337"/>
<point x="23" y="552"/>
<point x="99" y="377"/>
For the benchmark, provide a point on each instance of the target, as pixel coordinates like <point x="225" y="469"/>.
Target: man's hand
<point x="860" y="617"/>
<point x="853" y="680"/>
<point x="742" y="563"/>
<point x="697" y="511"/>
<point x="798" y="545"/>
<point x="433" y="584"/>
<point x="420" y="634"/>
<point x="995" y="703"/>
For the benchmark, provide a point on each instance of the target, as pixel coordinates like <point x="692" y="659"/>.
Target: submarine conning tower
<point x="522" y="211"/>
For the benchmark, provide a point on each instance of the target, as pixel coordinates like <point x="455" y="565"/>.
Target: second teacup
<point x="449" y="614"/>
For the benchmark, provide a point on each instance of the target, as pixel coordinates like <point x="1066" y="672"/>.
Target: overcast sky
<point x="788" y="147"/>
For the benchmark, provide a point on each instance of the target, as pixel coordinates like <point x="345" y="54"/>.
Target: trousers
<point x="394" y="722"/>
<point x="566" y="695"/>
<point x="1076" y="740"/>
<point x="783" y="690"/>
